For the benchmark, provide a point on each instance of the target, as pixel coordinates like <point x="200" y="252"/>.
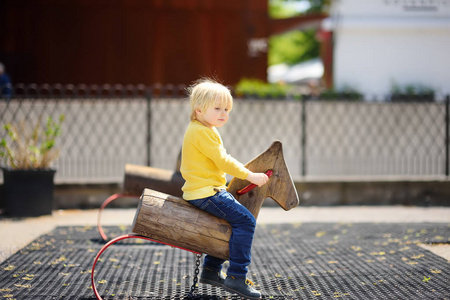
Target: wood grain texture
<point x="280" y="187"/>
<point x="137" y="178"/>
<point x="174" y="221"/>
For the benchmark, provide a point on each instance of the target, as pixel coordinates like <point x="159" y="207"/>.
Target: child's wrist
<point x="249" y="175"/>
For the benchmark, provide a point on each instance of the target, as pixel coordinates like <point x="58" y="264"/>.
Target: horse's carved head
<point x="280" y="186"/>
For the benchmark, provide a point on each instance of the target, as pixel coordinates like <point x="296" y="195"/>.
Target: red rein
<point x="250" y="187"/>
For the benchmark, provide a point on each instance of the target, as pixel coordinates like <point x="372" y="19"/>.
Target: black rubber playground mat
<point x="290" y="261"/>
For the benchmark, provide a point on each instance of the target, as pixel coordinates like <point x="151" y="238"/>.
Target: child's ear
<point x="198" y="111"/>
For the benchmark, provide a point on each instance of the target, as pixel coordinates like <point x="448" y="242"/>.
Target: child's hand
<point x="257" y="178"/>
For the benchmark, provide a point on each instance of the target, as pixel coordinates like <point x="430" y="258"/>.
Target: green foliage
<point x="345" y="94"/>
<point x="412" y="89"/>
<point x="248" y="87"/>
<point x="318" y="6"/>
<point x="412" y="92"/>
<point x="31" y="149"/>
<point x="293" y="47"/>
<point x="280" y="9"/>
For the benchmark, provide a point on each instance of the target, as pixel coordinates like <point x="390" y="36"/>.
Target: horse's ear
<point x="280" y="186"/>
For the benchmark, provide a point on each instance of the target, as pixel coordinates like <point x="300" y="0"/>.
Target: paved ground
<point x="17" y="233"/>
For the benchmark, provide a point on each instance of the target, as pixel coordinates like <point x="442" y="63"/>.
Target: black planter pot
<point x="28" y="193"/>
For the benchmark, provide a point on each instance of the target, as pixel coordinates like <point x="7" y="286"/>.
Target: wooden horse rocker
<point x="172" y="221"/>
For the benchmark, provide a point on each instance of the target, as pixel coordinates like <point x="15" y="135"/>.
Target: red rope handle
<point x="250" y="187"/>
<point x="115" y="240"/>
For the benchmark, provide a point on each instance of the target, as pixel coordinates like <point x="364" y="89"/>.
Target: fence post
<point x="447" y="133"/>
<point x="303" y="137"/>
<point x="149" y="126"/>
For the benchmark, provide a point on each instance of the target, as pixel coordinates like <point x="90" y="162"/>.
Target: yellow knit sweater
<point x="205" y="162"/>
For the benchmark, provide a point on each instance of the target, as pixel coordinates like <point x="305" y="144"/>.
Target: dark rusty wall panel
<point x="140" y="41"/>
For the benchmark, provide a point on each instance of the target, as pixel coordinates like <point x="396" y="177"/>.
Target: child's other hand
<point x="257" y="178"/>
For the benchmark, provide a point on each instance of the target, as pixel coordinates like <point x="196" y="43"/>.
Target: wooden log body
<point x="137" y="178"/>
<point x="174" y="221"/>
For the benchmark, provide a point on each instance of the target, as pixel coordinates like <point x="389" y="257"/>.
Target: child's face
<point x="214" y="116"/>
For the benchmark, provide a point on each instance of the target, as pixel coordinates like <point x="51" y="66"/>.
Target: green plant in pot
<point x="28" y="151"/>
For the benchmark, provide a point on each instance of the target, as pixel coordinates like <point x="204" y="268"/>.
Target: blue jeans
<point x="243" y="223"/>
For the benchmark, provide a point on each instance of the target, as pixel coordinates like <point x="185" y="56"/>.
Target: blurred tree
<point x="295" y="46"/>
<point x="317" y="6"/>
<point x="279" y="9"/>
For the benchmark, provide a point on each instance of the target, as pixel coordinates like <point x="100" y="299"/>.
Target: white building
<point x="382" y="43"/>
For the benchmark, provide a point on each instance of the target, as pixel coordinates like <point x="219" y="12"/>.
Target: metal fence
<point x="106" y="127"/>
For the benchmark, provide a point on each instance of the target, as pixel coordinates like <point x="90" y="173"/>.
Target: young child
<point x="204" y="165"/>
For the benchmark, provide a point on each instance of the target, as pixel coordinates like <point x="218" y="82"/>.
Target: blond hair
<point x="206" y="93"/>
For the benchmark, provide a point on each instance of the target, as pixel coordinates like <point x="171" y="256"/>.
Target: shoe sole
<point x="211" y="282"/>
<point x="239" y="293"/>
